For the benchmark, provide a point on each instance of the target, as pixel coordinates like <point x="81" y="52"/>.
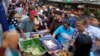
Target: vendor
<point x="28" y="25"/>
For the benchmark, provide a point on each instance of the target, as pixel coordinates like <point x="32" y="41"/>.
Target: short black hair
<point x="91" y="17"/>
<point x="18" y="4"/>
<point x="66" y="22"/>
<point x="58" y="12"/>
<point x="11" y="14"/>
<point x="83" y="19"/>
<point x="83" y="45"/>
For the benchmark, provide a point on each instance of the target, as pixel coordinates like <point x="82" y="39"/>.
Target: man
<point x="28" y="25"/>
<point x="92" y="29"/>
<point x="63" y="32"/>
<point x="83" y="26"/>
<point x="80" y="27"/>
<point x="72" y="19"/>
<point x="56" y="22"/>
<point x="83" y="45"/>
<point x="94" y="22"/>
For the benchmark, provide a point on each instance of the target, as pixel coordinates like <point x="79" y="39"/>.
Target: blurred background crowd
<point x="80" y="26"/>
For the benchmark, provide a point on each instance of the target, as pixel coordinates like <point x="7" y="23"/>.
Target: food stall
<point x="39" y="43"/>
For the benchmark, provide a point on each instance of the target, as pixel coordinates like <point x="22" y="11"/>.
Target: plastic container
<point x="51" y="44"/>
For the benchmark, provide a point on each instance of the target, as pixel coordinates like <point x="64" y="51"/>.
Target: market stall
<point x="39" y="43"/>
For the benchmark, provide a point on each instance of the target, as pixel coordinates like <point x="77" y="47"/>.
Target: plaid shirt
<point x="76" y="32"/>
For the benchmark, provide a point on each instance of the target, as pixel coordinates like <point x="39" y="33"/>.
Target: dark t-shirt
<point x="54" y="25"/>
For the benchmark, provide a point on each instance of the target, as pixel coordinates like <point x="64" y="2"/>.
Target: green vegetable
<point x="25" y="44"/>
<point x="33" y="46"/>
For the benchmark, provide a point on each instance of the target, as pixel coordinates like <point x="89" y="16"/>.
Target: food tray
<point x="32" y="46"/>
<point x="51" y="44"/>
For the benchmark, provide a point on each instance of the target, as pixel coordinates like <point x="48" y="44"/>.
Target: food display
<point x="64" y="53"/>
<point x="32" y="46"/>
<point x="24" y="44"/>
<point x="51" y="44"/>
<point x="36" y="46"/>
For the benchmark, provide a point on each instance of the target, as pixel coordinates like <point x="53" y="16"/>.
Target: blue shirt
<point x="72" y="21"/>
<point x="27" y="26"/>
<point x="3" y="18"/>
<point x="61" y="30"/>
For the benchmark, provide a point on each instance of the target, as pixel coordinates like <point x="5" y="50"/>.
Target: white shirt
<point x="94" y="30"/>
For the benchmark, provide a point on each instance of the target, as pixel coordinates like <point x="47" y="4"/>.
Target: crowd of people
<point x="67" y="25"/>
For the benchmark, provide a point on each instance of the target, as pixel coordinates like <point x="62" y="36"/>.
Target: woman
<point x="15" y="20"/>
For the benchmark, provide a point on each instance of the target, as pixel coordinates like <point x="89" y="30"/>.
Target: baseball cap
<point x="33" y="12"/>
